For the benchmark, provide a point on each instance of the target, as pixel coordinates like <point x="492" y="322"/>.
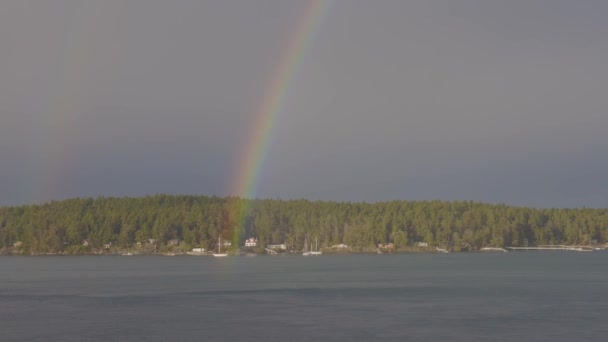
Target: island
<point x="192" y="225"/>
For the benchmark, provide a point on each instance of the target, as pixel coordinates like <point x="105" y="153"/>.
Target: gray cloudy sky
<point x="495" y="101"/>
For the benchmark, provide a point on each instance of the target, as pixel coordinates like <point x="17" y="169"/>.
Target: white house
<point x="251" y="242"/>
<point x="196" y="251"/>
<point x="422" y="244"/>
<point x="279" y="246"/>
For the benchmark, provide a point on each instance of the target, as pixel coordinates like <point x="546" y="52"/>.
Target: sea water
<point x="518" y="296"/>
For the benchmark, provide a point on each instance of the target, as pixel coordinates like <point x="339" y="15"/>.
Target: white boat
<point x="219" y="249"/>
<point x="306" y="253"/>
<point x="493" y="249"/>
<point x="441" y="250"/>
<point x="316" y="251"/>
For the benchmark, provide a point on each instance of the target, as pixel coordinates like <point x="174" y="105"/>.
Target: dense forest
<point x="198" y="221"/>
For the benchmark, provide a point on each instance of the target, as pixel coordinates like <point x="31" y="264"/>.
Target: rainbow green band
<point x="255" y="151"/>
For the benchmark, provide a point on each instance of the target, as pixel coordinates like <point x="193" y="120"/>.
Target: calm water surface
<point x="528" y="296"/>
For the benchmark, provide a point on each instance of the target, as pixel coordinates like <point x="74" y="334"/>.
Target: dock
<point x="552" y="248"/>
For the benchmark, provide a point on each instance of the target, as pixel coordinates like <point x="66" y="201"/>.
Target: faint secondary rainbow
<point x="71" y="93"/>
<point x="254" y="153"/>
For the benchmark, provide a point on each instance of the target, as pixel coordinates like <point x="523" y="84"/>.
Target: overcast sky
<point x="494" y="101"/>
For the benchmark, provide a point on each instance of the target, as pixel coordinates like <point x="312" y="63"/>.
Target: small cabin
<point x="251" y="242"/>
<point x="389" y="245"/>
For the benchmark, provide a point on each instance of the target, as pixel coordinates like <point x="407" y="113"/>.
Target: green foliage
<point x="400" y="239"/>
<point x="62" y="226"/>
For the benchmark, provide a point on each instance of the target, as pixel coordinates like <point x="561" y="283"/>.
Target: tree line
<point x="198" y="221"/>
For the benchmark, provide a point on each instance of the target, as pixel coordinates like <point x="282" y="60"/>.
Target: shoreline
<point x="295" y="253"/>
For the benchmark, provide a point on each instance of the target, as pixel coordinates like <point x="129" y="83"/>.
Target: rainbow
<point x="255" y="151"/>
<point x="69" y="97"/>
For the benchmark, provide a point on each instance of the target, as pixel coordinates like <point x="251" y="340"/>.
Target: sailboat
<point x="306" y="253"/>
<point x="311" y="252"/>
<point x="219" y="249"/>
<point x="316" y="251"/>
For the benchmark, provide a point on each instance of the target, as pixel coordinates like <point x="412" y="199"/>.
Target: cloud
<point x="491" y="101"/>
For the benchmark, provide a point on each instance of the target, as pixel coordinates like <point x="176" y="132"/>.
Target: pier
<point x="552" y="248"/>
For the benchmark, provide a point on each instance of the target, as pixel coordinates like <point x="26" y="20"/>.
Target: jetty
<point x="552" y="248"/>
